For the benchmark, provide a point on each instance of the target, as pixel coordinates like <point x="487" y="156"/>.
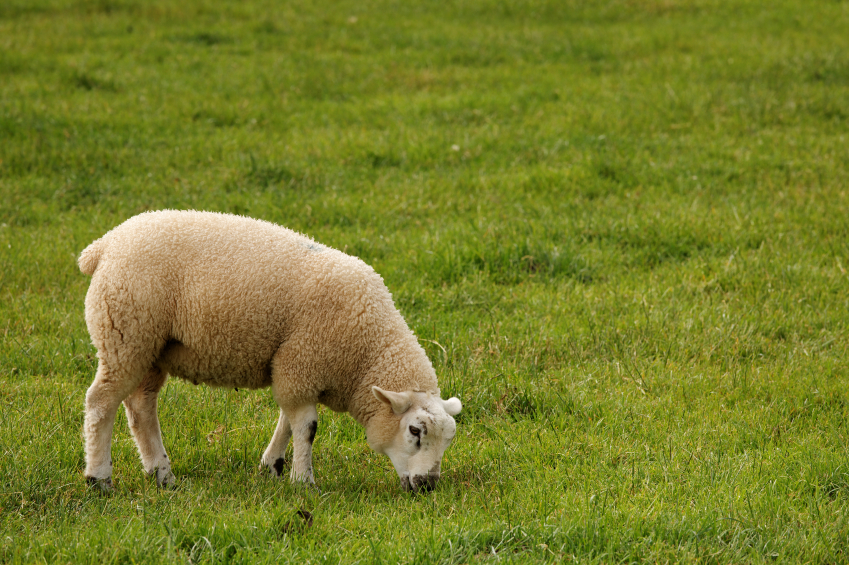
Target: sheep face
<point x="414" y="434"/>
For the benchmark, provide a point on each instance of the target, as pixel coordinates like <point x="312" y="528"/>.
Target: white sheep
<point x="236" y="302"/>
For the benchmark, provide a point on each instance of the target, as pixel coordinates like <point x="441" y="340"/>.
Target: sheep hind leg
<point x="274" y="457"/>
<point x="101" y="404"/>
<point x="144" y="424"/>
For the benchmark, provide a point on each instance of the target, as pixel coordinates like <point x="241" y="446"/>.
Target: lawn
<point x="620" y="229"/>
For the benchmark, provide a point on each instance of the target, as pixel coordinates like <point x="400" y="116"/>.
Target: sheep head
<point x="414" y="431"/>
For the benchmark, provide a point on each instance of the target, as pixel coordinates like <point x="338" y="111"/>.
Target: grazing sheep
<point x="236" y="302"/>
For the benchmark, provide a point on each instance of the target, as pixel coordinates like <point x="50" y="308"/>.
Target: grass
<point x="619" y="229"/>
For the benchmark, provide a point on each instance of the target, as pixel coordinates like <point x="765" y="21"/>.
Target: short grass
<point x="619" y="228"/>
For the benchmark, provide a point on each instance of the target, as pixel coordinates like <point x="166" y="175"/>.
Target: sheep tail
<point x="90" y="257"/>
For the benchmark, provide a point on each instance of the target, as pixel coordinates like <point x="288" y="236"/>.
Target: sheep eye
<point x="415" y="431"/>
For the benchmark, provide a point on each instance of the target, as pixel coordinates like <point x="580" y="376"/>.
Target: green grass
<point x="619" y="229"/>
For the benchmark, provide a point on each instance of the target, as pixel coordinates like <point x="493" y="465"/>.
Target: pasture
<point x="620" y="229"/>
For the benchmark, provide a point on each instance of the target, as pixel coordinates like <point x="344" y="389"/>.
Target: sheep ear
<point x="452" y="406"/>
<point x="399" y="401"/>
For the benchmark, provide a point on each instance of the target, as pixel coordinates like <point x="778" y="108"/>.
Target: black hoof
<point x="102" y="485"/>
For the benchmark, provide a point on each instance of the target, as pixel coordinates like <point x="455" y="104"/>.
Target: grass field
<point x="620" y="229"/>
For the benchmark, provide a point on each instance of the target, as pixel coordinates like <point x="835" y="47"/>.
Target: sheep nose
<point x="424" y="483"/>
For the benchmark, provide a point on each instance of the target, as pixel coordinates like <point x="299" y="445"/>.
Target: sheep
<point x="231" y="301"/>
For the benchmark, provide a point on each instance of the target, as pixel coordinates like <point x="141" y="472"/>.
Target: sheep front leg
<point x="304" y="423"/>
<point x="144" y="424"/>
<point x="274" y="457"/>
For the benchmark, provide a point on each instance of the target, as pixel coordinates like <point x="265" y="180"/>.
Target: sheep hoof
<point x="104" y="486"/>
<point x="306" y="481"/>
<point x="275" y="469"/>
<point x="165" y="478"/>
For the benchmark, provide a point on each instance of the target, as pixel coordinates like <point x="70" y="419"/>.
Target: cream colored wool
<point x="231" y="301"/>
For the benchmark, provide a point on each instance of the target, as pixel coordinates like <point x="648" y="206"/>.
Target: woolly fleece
<point x="237" y="302"/>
